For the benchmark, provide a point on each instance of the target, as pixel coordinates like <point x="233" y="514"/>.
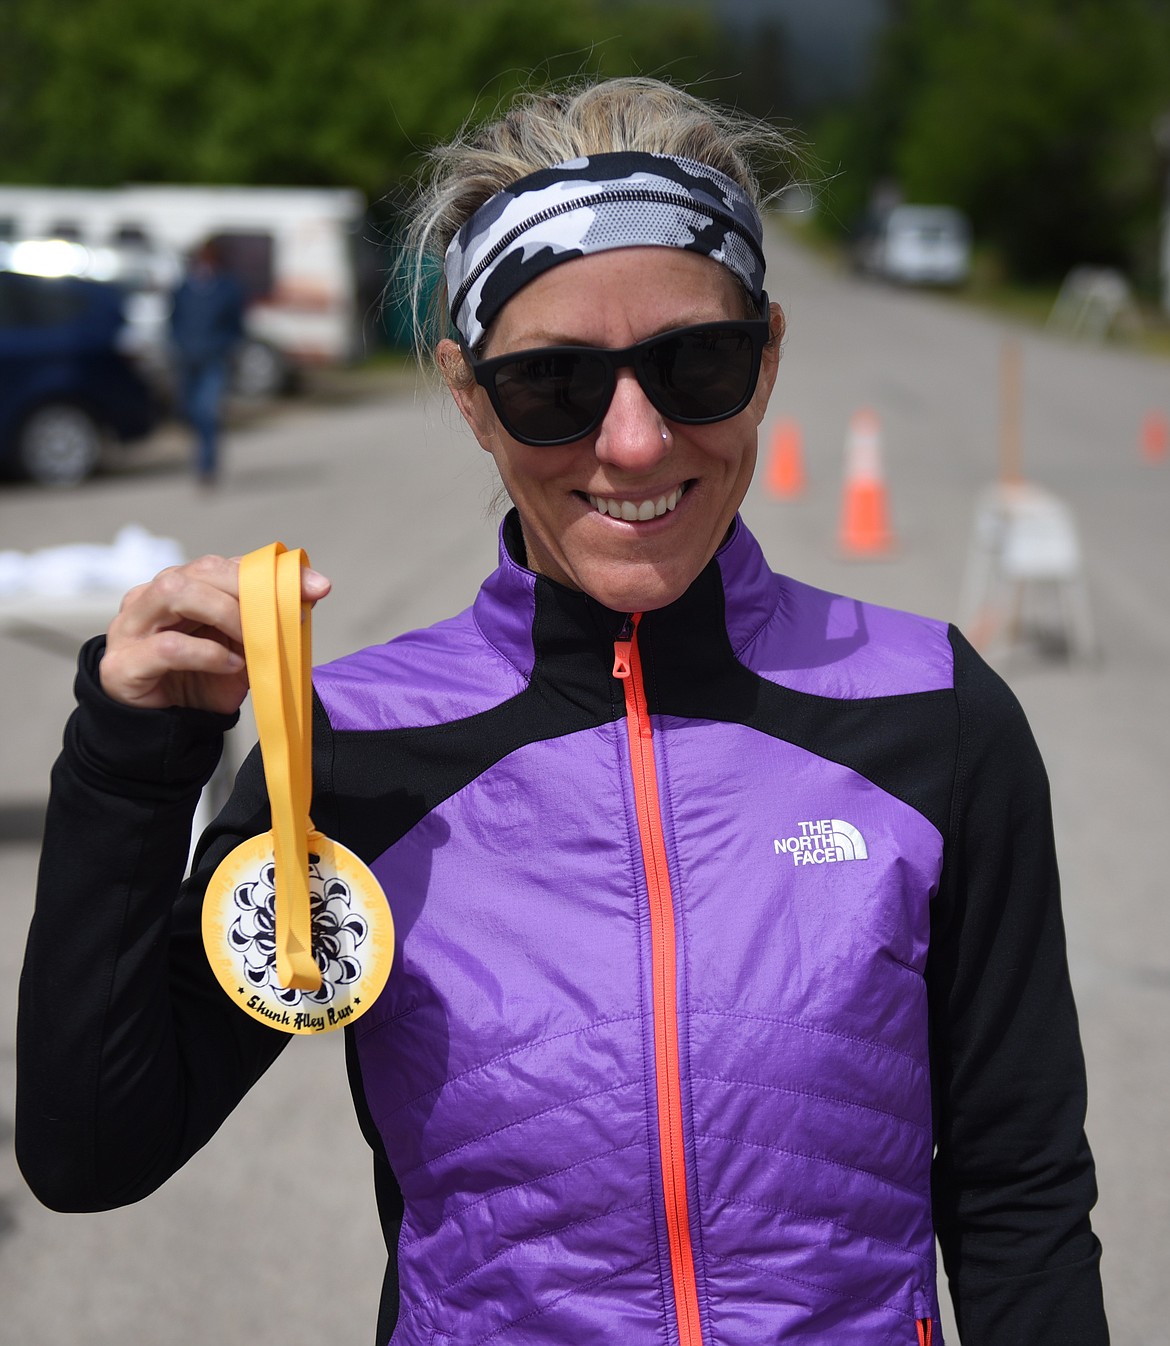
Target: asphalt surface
<point x="269" y="1235"/>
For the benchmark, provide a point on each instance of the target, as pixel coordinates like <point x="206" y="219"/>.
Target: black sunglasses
<point x="692" y="375"/>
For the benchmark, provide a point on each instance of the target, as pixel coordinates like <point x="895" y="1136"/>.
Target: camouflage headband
<point x="589" y="205"/>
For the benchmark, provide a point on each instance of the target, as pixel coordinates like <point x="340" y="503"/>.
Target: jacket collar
<point x="530" y="618"/>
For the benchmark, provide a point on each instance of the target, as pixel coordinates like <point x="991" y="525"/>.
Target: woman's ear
<point x="771" y="360"/>
<point x="469" y="397"/>
<point x="776" y="326"/>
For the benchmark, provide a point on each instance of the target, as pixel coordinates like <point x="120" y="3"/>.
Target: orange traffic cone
<point x="865" y="528"/>
<point x="1155" y="437"/>
<point x="784" y="477"/>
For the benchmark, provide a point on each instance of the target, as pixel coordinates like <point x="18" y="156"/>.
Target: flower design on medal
<point x="338" y="933"/>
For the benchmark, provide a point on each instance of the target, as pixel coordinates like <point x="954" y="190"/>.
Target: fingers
<point x="314" y="586"/>
<point x="178" y="652"/>
<point x="201" y="593"/>
<point x="173" y="668"/>
<point x="178" y="640"/>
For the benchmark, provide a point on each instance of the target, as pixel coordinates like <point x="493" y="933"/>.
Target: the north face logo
<point x="823" y="841"/>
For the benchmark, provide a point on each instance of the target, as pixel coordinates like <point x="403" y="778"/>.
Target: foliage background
<point x="1038" y="119"/>
<point x="1045" y="121"/>
<point x="313" y="92"/>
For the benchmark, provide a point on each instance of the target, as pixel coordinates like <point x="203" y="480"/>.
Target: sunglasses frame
<point x="484" y="372"/>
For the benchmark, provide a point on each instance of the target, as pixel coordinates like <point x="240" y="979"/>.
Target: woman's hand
<point x="177" y="641"/>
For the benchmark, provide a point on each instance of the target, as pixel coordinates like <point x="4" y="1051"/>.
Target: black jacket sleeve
<point x="1014" y="1179"/>
<point x="129" y="1055"/>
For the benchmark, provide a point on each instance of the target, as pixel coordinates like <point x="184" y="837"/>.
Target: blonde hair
<point x="542" y="128"/>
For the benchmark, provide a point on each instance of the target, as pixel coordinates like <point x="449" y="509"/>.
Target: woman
<point x="731" y="968"/>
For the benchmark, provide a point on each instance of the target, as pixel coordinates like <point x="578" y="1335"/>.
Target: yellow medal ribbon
<point x="297" y="929"/>
<point x="277" y="646"/>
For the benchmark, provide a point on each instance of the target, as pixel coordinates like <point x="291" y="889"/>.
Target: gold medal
<point x="297" y="929"/>
<point x="352" y="936"/>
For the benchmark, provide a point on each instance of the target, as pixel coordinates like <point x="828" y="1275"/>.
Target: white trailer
<point x="294" y="249"/>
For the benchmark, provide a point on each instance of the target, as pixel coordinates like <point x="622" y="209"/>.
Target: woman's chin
<point x="635" y="588"/>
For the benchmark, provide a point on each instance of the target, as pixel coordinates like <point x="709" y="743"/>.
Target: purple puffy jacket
<point x="652" y="1063"/>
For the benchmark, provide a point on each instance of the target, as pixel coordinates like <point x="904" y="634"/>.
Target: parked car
<point x="917" y="245"/>
<point x="66" y="383"/>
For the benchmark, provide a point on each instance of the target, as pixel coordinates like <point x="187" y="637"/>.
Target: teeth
<point x="636" y="511"/>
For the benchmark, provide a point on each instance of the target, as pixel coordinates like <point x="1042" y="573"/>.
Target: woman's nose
<point x="631" y="435"/>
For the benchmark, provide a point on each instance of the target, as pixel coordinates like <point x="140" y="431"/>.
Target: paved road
<point x="269" y="1235"/>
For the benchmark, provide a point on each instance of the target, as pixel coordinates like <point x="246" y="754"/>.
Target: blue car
<point x="65" y="385"/>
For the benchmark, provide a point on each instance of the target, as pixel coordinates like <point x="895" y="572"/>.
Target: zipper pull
<point x="621" y="658"/>
<point x="621" y="646"/>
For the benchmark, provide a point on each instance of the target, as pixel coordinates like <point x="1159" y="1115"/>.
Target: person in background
<point x="731" y="970"/>
<point x="207" y="324"/>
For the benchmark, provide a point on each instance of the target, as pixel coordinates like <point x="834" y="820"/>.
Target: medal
<point x="297" y="929"/>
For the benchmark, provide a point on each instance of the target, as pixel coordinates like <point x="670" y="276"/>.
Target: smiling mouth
<point x="638" y="511"/>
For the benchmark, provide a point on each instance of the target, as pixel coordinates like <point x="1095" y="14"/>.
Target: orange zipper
<point x="925" y="1331"/>
<point x="627" y="666"/>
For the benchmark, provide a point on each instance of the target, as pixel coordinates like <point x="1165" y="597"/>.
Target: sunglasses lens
<point x="551" y="396"/>
<point x="694" y="375"/>
<point x="703" y="374"/>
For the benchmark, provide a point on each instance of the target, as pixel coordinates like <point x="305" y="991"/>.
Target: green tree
<point x="1036" y="119"/>
<point x="305" y="91"/>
